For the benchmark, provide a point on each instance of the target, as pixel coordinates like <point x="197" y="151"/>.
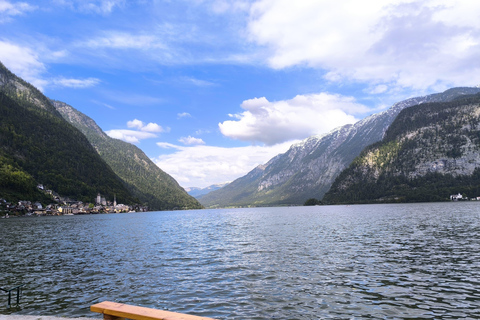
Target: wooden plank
<point x="139" y="313"/>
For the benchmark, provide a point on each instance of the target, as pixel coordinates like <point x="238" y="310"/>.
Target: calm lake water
<point x="339" y="262"/>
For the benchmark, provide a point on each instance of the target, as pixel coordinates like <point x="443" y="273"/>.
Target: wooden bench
<point x="120" y="311"/>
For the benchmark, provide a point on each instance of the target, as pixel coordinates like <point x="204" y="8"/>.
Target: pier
<point x="120" y="311"/>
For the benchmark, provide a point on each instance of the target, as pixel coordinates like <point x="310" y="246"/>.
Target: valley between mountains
<point x="421" y="149"/>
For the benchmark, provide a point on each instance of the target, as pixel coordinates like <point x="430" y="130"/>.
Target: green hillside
<point x="38" y="146"/>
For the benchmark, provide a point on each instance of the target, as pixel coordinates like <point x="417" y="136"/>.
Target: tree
<point x="312" y="202"/>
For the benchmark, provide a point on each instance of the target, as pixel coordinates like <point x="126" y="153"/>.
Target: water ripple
<point x="356" y="262"/>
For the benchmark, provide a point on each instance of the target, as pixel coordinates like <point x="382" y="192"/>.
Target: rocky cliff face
<point x="78" y="119"/>
<point x="308" y="169"/>
<point x="429" y="152"/>
<point x="19" y="89"/>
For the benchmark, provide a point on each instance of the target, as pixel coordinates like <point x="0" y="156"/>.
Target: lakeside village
<point x="64" y="206"/>
<point x="460" y="197"/>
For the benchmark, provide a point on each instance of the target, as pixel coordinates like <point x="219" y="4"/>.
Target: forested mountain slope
<point x="430" y="152"/>
<point x="308" y="169"/>
<point x="144" y="179"/>
<point x="37" y="146"/>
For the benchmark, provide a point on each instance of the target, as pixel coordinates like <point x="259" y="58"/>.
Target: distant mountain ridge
<point x="200" y="192"/>
<point x="308" y="169"/>
<point x="430" y="151"/>
<point x="144" y="179"/>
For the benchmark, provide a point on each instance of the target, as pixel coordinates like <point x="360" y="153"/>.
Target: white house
<point x="456" y="197"/>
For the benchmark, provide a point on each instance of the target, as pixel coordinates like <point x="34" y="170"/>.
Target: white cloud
<point x="24" y="62"/>
<point x="298" y="118"/>
<point x="184" y="115"/>
<point x="153" y="127"/>
<point x="419" y="44"/>
<point x="95" y="6"/>
<point x="135" y="124"/>
<point x="202" y="166"/>
<point x="197" y="82"/>
<point x="122" y="40"/>
<point x="204" y="32"/>
<point x="166" y="145"/>
<point x="76" y="83"/>
<point x="202" y="131"/>
<point x="144" y="131"/>
<point x="223" y="6"/>
<point x="191" y="140"/>
<point x="378" y="89"/>
<point x="130" y="136"/>
<point x="9" y="9"/>
<point x="136" y="49"/>
<point x="149" y="127"/>
<point x="103" y="104"/>
<point x="101" y="6"/>
<point x="220" y="7"/>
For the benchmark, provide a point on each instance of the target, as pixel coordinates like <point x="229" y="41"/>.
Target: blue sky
<point x="209" y="89"/>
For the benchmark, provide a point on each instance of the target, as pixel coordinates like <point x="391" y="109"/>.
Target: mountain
<point x="37" y="146"/>
<point x="308" y="169"/>
<point x="429" y="152"/>
<point x="200" y="192"/>
<point x="144" y="179"/>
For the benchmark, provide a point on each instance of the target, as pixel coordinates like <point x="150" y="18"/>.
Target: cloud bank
<point x="298" y="118"/>
<point x="202" y="166"/>
<point x="427" y="44"/>
<point x="388" y="45"/>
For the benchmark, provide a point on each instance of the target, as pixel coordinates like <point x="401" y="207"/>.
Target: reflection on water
<point x="369" y="261"/>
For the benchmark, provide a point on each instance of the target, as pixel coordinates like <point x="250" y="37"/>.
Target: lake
<point x="340" y="262"/>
